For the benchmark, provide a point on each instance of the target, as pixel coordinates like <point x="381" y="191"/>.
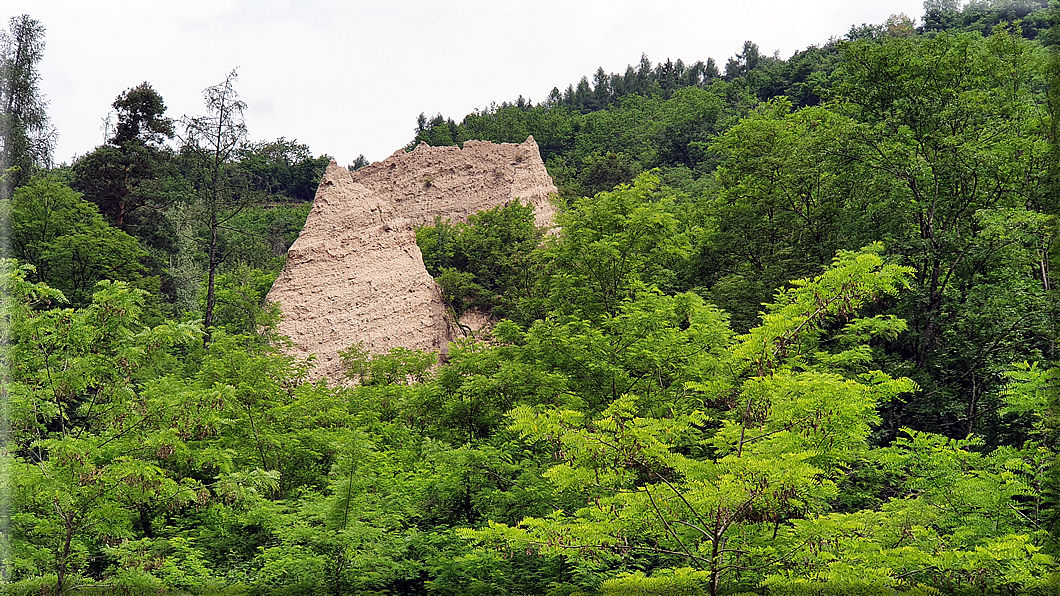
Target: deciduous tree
<point x="211" y="143"/>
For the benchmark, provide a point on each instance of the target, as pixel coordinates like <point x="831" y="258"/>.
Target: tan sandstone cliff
<point x="355" y="273"/>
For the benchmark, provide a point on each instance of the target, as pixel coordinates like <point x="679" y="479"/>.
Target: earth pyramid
<point x="355" y="273"/>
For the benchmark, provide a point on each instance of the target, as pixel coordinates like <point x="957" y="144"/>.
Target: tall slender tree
<point x="1052" y="106"/>
<point x="26" y="136"/>
<point x="210" y="144"/>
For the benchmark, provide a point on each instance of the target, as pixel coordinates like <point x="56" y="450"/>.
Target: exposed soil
<point x="355" y="273"/>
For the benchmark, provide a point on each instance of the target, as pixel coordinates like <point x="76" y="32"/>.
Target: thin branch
<point x="666" y="523"/>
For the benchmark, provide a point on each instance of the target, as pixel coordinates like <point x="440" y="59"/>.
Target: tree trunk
<point x="210" y="298"/>
<point x="64" y="559"/>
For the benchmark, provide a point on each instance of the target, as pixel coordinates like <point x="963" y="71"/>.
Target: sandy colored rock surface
<point x="355" y="273"/>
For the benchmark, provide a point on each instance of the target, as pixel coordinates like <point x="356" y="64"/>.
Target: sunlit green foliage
<point x="485" y="264"/>
<point x="68" y="242"/>
<point x="637" y="420"/>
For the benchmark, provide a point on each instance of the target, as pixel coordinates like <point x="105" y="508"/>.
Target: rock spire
<point x="355" y="273"/>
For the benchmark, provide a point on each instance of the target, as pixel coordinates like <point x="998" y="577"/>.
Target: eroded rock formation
<point x="355" y="273"/>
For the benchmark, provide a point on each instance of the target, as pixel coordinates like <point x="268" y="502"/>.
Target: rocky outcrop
<point x="355" y="273"/>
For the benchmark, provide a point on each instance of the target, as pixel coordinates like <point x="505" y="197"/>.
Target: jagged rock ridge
<point x="355" y="273"/>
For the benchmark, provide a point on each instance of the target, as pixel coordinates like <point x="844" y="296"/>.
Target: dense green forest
<point x="796" y="334"/>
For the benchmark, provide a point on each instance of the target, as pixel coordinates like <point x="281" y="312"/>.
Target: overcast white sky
<point x="350" y="77"/>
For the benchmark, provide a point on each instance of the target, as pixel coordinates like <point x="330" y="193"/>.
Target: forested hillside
<point x="796" y="334"/>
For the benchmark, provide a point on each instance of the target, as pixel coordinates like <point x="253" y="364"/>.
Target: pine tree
<point x="26" y="137"/>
